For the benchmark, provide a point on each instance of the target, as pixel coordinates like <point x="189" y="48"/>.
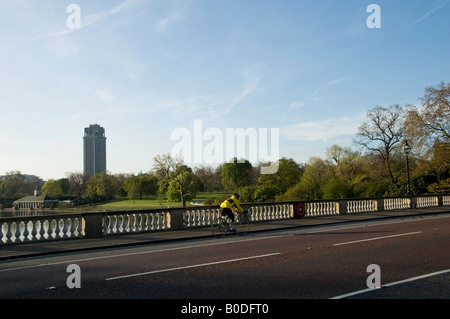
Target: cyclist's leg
<point x="230" y="215"/>
<point x="221" y="227"/>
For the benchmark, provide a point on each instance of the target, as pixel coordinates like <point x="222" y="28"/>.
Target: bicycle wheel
<point x="242" y="224"/>
<point x="221" y="228"/>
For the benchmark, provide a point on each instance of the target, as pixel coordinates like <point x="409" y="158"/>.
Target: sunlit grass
<point x="154" y="202"/>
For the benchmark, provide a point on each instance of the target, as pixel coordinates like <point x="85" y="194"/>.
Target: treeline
<point x="375" y="167"/>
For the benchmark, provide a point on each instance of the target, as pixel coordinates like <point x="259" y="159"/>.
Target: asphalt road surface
<point x="392" y="259"/>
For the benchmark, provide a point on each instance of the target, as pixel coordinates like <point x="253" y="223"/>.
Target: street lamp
<point x="407" y="150"/>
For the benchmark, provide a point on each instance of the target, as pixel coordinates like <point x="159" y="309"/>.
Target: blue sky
<point x="144" y="68"/>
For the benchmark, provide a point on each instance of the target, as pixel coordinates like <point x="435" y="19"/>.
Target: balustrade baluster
<point x="59" y="228"/>
<point x="28" y="229"/>
<point x="10" y="234"/>
<point x="19" y="231"/>
<point x="74" y="227"/>
<point x="35" y="228"/>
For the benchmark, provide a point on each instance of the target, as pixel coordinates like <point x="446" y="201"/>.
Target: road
<point x="320" y="262"/>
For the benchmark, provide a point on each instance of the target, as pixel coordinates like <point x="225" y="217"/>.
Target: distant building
<point x="35" y="202"/>
<point x="94" y="150"/>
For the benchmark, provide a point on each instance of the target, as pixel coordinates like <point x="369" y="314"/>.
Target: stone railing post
<point x="177" y="218"/>
<point x="93" y="224"/>
<point x="380" y="204"/>
<point x="342" y="206"/>
<point x="412" y="202"/>
<point x="440" y="200"/>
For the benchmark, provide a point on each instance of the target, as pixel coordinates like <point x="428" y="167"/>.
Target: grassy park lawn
<point x="155" y="202"/>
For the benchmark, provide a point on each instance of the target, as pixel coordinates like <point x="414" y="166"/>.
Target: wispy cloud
<point x="426" y="15"/>
<point x="323" y="130"/>
<point x="96" y="17"/>
<point x="295" y="105"/>
<point x="164" y="23"/>
<point x="326" y="85"/>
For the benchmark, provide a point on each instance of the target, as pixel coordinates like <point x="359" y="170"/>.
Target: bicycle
<point x="222" y="228"/>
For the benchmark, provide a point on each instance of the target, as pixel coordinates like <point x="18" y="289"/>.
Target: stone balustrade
<point x="27" y="228"/>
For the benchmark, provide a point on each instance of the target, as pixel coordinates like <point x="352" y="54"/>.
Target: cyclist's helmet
<point x="236" y="195"/>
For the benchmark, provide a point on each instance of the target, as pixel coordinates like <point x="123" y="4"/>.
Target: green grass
<point x="154" y="202"/>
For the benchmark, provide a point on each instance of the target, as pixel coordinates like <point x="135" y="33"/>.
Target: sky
<point x="159" y="75"/>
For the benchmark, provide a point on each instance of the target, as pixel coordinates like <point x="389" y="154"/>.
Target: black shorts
<point x="228" y="212"/>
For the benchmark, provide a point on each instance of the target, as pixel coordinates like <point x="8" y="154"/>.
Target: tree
<point x="16" y="184"/>
<point x="77" y="183"/>
<point x="347" y="161"/>
<point x="382" y="134"/>
<point x="132" y="187"/>
<point x="288" y="174"/>
<point x="431" y="123"/>
<point x="165" y="164"/>
<point x="435" y="113"/>
<point x="310" y="186"/>
<point x="149" y="185"/>
<point x="237" y="174"/>
<point x="183" y="185"/>
<point x="210" y="178"/>
<point x="52" y="188"/>
<point x="102" y="185"/>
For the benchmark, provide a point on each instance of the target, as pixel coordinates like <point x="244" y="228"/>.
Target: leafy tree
<point x="15" y="184"/>
<point x="311" y="182"/>
<point x="52" y="188"/>
<point x="102" y="185"/>
<point x="210" y="178"/>
<point x="183" y="185"/>
<point x="237" y="174"/>
<point x="288" y="174"/>
<point x="132" y="186"/>
<point x="149" y="185"/>
<point x="441" y="187"/>
<point x="165" y="164"/>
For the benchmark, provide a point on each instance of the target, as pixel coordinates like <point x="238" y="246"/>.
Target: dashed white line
<point x="376" y="238"/>
<point x="190" y="266"/>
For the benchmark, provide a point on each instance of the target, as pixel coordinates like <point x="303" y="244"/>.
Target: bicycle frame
<point x="222" y="227"/>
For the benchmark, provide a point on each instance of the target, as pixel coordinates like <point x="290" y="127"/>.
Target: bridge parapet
<point x="25" y="229"/>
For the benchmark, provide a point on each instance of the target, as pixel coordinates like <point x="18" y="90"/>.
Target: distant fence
<point x="26" y="228"/>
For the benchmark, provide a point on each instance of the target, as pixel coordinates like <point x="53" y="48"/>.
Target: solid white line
<point x="191" y="266"/>
<point x="391" y="284"/>
<point x="376" y="238"/>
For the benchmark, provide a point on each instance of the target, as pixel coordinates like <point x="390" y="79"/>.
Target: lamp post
<point x="407" y="150"/>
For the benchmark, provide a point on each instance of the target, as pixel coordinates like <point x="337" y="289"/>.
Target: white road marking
<point x="376" y="238"/>
<point x="191" y="266"/>
<point x="391" y="284"/>
<point x="139" y="253"/>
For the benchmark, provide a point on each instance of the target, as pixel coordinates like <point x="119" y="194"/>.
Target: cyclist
<point x="227" y="207"/>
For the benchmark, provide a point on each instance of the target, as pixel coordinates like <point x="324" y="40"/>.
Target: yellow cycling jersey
<point x="231" y="203"/>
